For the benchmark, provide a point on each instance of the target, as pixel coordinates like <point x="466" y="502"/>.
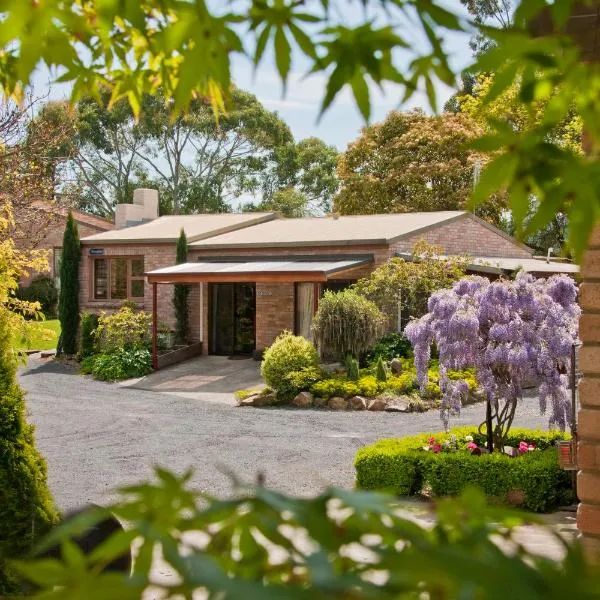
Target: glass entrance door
<point x="233" y="312"/>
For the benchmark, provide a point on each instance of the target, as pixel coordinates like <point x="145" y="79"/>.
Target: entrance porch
<point x="244" y="303"/>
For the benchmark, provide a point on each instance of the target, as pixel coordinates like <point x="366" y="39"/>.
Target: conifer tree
<point x="180" y="296"/>
<point x="68" y="302"/>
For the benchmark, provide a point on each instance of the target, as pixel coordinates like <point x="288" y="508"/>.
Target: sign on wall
<point x="96" y="251"/>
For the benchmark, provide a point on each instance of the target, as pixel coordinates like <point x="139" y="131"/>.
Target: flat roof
<point x="168" y="228"/>
<point x="257" y="270"/>
<point x="329" y="231"/>
<point x="494" y="264"/>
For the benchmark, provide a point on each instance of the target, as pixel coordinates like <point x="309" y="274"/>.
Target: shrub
<point x="381" y="373"/>
<point x="337" y="386"/>
<point x="534" y="481"/>
<point x="402" y="384"/>
<point x="124" y="363"/>
<point x="87" y="341"/>
<point x="297" y="381"/>
<point x="347" y="323"/>
<point x="42" y="290"/>
<point x="390" y="345"/>
<point x="26" y="507"/>
<point x="353" y="369"/>
<point x="181" y="291"/>
<point x="287" y="353"/>
<point x="124" y="329"/>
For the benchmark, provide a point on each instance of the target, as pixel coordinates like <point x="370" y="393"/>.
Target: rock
<point x="474" y="397"/>
<point x="248" y="401"/>
<point x="400" y="404"/>
<point x="396" y="366"/>
<point x="319" y="402"/>
<point x="303" y="400"/>
<point x="333" y="368"/>
<point x="265" y="399"/>
<point x="376" y="404"/>
<point x="358" y="403"/>
<point x="337" y="403"/>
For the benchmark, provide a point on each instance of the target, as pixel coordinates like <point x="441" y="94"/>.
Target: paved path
<point x="97" y="436"/>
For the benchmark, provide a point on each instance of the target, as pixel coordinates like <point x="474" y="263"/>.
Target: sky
<point x="299" y="108"/>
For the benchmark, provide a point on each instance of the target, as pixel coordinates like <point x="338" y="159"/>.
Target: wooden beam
<point x="154" y="326"/>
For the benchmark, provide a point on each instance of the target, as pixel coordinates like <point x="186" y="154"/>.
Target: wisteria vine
<point x="511" y="332"/>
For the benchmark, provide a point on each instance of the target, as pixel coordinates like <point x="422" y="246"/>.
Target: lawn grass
<point x="39" y="339"/>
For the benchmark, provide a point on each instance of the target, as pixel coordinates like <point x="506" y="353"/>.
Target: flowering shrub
<point x="123" y="363"/>
<point x="126" y="328"/>
<point x="510" y="332"/>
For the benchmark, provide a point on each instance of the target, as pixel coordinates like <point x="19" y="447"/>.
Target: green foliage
<point x="366" y="386"/>
<point x="534" y="481"/>
<point x="87" y="341"/>
<point x="424" y="163"/>
<point x="42" y="290"/>
<point x="402" y="384"/>
<point x="295" y="382"/>
<point x="26" y="507"/>
<point x="68" y="302"/>
<point x="390" y="345"/>
<point x="288" y="353"/>
<point x="456" y="555"/>
<point x="409" y="283"/>
<point x="125" y="329"/>
<point x="353" y="369"/>
<point x="123" y="363"/>
<point x="346" y="323"/>
<point x="381" y="372"/>
<point x="180" y="296"/>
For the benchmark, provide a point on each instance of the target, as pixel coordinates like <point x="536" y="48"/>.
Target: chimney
<point x="143" y="209"/>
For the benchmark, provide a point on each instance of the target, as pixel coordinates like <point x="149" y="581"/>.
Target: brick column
<point x="588" y="452"/>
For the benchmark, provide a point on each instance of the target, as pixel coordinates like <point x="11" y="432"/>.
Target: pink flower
<point x="524" y="447"/>
<point x="431" y="441"/>
<point x="472" y="446"/>
<point x="437" y="448"/>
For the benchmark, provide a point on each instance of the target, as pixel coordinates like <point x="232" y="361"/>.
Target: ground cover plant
<point x="261" y="544"/>
<point x="510" y="332"/>
<point x="446" y="463"/>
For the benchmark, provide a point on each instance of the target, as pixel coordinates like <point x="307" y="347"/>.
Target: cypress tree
<point x="68" y="301"/>
<point x="180" y="296"/>
<point x="26" y="507"/>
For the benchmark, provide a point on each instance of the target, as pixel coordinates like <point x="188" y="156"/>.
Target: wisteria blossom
<point x="511" y="332"/>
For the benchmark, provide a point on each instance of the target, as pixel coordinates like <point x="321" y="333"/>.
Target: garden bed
<point x="441" y="464"/>
<point x="178" y="354"/>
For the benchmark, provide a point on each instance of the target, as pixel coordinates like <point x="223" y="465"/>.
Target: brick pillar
<point x="588" y="453"/>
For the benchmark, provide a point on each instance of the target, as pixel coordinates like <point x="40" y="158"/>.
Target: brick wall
<point x="274" y="311"/>
<point x="588" y="479"/>
<point x="467" y="235"/>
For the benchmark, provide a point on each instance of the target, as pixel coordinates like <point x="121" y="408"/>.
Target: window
<point x="57" y="259"/>
<point x="118" y="278"/>
<point x="305" y="309"/>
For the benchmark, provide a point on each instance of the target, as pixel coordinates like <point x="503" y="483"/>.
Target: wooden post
<point x="154" y="326"/>
<point x="315" y="298"/>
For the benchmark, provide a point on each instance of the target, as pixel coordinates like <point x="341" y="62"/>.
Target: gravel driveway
<point x="98" y="436"/>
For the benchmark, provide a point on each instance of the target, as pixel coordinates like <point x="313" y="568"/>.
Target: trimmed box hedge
<point x="534" y="481"/>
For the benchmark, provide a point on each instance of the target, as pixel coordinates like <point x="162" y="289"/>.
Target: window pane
<point x="137" y="288"/>
<point x="118" y="279"/>
<point x="137" y="267"/>
<point x="304" y="309"/>
<point x="100" y="279"/>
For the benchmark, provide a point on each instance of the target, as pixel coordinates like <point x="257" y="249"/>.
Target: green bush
<point x="26" y="507"/>
<point x="353" y="369"/>
<point x="287" y="353"/>
<point x="87" y="341"/>
<point x="125" y="328"/>
<point x="346" y="324"/>
<point x="297" y="381"/>
<point x="381" y="373"/>
<point x="391" y="345"/>
<point x="42" y="290"/>
<point x="402" y="384"/>
<point x="533" y="481"/>
<point x="123" y="363"/>
<point x="366" y="386"/>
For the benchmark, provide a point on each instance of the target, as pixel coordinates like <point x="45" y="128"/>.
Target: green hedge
<point x="534" y="481"/>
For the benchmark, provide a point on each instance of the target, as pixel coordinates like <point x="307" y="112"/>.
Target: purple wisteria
<point x="511" y="332"/>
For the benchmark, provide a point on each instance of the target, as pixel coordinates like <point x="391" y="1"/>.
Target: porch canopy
<point x="260" y="269"/>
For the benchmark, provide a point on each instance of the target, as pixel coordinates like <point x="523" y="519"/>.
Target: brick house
<point x="254" y="275"/>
